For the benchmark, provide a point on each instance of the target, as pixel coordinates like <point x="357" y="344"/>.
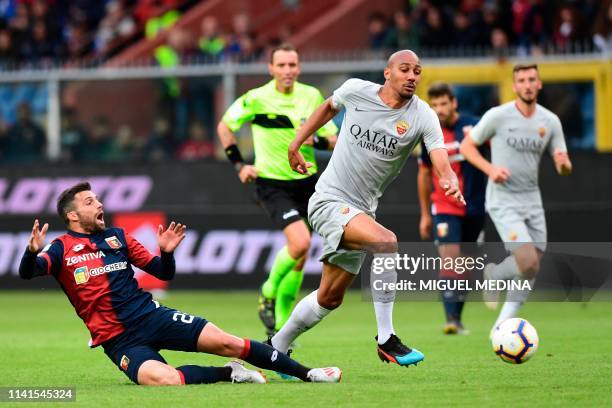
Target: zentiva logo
<point x="38" y="195"/>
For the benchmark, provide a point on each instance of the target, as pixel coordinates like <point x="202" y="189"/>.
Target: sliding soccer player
<point x="93" y="265"/>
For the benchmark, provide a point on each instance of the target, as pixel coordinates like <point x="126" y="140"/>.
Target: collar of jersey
<point x="82" y="235"/>
<point x="272" y="85"/>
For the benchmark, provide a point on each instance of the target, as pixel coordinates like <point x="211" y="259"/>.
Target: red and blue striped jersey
<point x="95" y="271"/>
<point x="472" y="181"/>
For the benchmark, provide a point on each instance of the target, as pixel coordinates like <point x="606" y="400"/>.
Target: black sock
<point x="193" y="374"/>
<point x="461" y="296"/>
<point x="450" y="305"/>
<point x="263" y="356"/>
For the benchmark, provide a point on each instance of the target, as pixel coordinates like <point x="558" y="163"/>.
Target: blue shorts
<point x="455" y="228"/>
<point x="163" y="328"/>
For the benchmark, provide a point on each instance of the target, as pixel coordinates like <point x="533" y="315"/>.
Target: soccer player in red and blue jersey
<point x="450" y="222"/>
<point x="93" y="265"/>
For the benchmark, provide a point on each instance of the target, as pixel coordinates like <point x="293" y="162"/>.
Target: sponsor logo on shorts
<point x="345" y="210"/>
<point x="513" y="236"/>
<point x="274" y="356"/>
<point x="290" y="213"/>
<point x="542" y="131"/>
<point x="113" y="242"/>
<point x="77" y="247"/>
<point x="125" y="362"/>
<point x="81" y="275"/>
<point x="442" y="229"/>
<point x="401" y="127"/>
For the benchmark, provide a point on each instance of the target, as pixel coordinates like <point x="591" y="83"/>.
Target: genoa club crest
<point x="401" y="127"/>
<point x="113" y="242"/>
<point x="125" y="362"/>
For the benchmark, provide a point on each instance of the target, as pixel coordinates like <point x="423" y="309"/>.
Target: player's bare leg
<point x="279" y="291"/>
<point x="154" y="372"/>
<point x="313" y="308"/>
<point x="527" y="259"/>
<point x="361" y="232"/>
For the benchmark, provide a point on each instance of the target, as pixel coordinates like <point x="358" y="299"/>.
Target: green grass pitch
<point x="44" y="343"/>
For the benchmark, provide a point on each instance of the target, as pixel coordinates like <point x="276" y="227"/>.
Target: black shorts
<point x="163" y="328"/>
<point x="285" y="201"/>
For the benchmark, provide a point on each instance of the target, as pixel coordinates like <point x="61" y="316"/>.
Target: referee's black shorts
<point x="285" y="201"/>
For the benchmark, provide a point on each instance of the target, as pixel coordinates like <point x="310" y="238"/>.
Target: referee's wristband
<point x="233" y="154"/>
<point x="320" y="143"/>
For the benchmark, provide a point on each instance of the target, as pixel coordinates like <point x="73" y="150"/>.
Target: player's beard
<point x="528" y="100"/>
<point x="90" y="225"/>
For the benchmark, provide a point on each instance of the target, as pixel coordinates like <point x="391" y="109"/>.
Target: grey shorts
<point x="519" y="225"/>
<point x="328" y="217"/>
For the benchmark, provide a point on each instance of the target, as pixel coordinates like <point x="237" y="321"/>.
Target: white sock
<point x="507" y="269"/>
<point x="384" y="320"/>
<point x="306" y="314"/>
<point x="511" y="307"/>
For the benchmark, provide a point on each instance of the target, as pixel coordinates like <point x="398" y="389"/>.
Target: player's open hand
<point x="37" y="238"/>
<point x="296" y="160"/>
<point x="170" y="238"/>
<point x="451" y="188"/>
<point x="499" y="174"/>
<point x="247" y="174"/>
<point x="425" y="226"/>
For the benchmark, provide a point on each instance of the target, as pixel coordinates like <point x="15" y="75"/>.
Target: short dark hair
<point x="523" y="67"/>
<point x="65" y="200"/>
<point x="282" y="47"/>
<point x="438" y="89"/>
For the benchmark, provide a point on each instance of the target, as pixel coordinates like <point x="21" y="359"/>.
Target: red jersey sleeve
<point x="139" y="255"/>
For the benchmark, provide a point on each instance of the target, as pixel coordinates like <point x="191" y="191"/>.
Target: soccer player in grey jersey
<point x="519" y="132"/>
<point x="381" y="126"/>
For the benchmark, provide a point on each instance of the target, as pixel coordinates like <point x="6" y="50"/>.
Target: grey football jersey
<point x="517" y="143"/>
<point x="374" y="143"/>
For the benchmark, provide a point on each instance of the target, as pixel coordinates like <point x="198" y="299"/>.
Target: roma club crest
<point x="542" y="132"/>
<point x="401" y="127"/>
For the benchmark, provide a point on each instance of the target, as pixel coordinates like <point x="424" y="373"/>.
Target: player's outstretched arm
<point x="447" y="177"/>
<point x="470" y="151"/>
<point x="562" y="162"/>
<point x="323" y="114"/>
<point x="424" y="182"/>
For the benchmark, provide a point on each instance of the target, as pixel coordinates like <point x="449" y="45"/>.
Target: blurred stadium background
<point x="127" y="94"/>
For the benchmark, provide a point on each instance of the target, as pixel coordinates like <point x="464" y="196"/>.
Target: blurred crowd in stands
<point x="40" y="33"/>
<point x="25" y="141"/>
<point x="481" y="27"/>
<point x="45" y="32"/>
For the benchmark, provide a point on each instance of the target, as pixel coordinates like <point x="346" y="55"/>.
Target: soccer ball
<point x="515" y="341"/>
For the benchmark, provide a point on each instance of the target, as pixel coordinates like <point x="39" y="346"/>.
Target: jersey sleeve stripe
<point x="48" y="259"/>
